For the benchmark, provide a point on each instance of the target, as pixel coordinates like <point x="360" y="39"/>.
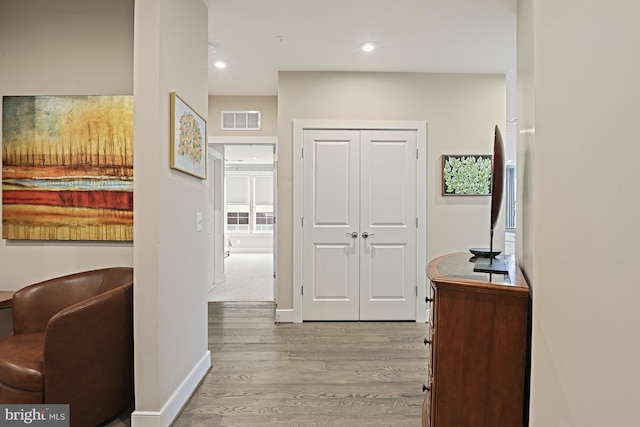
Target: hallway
<point x="248" y="277"/>
<point x="311" y="374"/>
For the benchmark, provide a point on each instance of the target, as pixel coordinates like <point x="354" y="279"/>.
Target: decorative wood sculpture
<point x="493" y="265"/>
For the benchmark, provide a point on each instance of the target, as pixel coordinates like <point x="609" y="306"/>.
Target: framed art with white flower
<point x="188" y="138"/>
<point x="466" y="175"/>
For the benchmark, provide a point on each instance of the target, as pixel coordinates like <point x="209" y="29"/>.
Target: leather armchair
<point x="72" y="343"/>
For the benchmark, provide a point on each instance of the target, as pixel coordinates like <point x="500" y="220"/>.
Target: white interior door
<point x="388" y="225"/>
<point x="331" y="188"/>
<point x="359" y="231"/>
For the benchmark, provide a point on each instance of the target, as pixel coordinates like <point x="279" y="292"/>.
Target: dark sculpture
<point x="492" y="264"/>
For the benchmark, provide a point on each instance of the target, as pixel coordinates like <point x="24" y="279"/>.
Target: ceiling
<point x="257" y="38"/>
<point x="246" y="155"/>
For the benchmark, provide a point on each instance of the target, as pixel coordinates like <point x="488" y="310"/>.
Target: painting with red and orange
<point x="67" y="168"/>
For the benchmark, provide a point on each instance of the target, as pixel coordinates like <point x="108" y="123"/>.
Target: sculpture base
<point x="485" y="265"/>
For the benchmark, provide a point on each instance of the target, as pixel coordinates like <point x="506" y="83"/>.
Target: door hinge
<point x="416" y="222"/>
<point x="302" y="290"/>
<point x="416" y="290"/>
<point x="417" y="156"/>
<point x="302" y="222"/>
<point x="302" y="153"/>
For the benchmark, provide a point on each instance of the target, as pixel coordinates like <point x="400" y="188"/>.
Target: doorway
<point x="247" y="229"/>
<point x="360" y="197"/>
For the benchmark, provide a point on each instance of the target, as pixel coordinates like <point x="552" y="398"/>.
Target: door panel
<point x="330" y="213"/>
<point x="388" y="215"/>
<point x="332" y="181"/>
<point x="387" y="272"/>
<point x="332" y="284"/>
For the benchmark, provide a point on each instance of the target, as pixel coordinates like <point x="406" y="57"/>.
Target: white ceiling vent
<point x="241" y="120"/>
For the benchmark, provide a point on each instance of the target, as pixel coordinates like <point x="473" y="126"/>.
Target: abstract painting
<point x="67" y="168"/>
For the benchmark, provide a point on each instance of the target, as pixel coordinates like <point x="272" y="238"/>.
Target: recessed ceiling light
<point x="220" y="64"/>
<point x="368" y="46"/>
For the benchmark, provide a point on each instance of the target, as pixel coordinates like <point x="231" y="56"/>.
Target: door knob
<point x="365" y="235"/>
<point x="354" y="234"/>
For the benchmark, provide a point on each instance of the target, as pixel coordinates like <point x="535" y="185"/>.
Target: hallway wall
<point x="63" y="47"/>
<point x="461" y="111"/>
<point x="170" y="253"/>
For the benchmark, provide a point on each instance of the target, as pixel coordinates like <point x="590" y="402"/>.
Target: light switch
<point x="198" y="221"/>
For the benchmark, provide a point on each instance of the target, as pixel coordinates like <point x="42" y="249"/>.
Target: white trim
<point x="215" y="223"/>
<point x="252" y="250"/>
<point x="284" y="315"/>
<point x="422" y="314"/>
<point x="242" y="140"/>
<point x="172" y="408"/>
<point x="298" y="128"/>
<point x="260" y="140"/>
<point x="215" y="155"/>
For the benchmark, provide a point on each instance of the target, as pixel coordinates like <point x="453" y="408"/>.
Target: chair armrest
<point x="88" y="356"/>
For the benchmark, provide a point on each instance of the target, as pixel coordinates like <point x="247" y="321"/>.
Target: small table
<point x="5" y="298"/>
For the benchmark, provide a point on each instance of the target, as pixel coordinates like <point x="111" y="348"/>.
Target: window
<point x="264" y="219"/>
<point x="237" y="218"/>
<point x="249" y="202"/>
<point x="263" y="203"/>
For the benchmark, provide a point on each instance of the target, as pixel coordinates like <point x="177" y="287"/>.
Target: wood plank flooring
<point x="311" y="374"/>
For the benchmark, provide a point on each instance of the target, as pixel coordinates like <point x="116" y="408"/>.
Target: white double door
<point x="359" y="225"/>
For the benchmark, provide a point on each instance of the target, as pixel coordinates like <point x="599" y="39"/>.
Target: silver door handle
<point x="353" y="235"/>
<point x="365" y="235"/>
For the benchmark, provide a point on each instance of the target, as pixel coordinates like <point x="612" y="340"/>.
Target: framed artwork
<point x="67" y="168"/>
<point x="188" y="139"/>
<point x="466" y="175"/>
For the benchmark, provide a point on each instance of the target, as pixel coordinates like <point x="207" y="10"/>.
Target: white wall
<point x="42" y="54"/>
<point x="461" y="111"/>
<point x="584" y="67"/>
<point x="267" y="105"/>
<point x="76" y="47"/>
<point x="170" y="255"/>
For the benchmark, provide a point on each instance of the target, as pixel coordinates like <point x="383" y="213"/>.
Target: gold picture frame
<point x="188" y="138"/>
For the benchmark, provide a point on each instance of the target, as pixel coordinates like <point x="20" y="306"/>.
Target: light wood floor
<point x="310" y="374"/>
<point x="263" y="374"/>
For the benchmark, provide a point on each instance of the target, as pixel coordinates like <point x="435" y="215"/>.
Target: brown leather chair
<point x="72" y="343"/>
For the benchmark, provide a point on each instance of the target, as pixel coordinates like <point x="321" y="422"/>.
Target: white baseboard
<point x="284" y="315"/>
<point x="177" y="401"/>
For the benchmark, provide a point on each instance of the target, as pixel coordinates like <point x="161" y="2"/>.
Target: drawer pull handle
<point x="426" y="342"/>
<point x="425" y="388"/>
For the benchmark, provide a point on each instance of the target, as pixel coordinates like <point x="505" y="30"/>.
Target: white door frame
<point x="257" y="140"/>
<point x="299" y="126"/>
<point x="215" y="221"/>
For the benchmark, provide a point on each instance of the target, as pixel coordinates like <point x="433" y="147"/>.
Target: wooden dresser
<point x="478" y="344"/>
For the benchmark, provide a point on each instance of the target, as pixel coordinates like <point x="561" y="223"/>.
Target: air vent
<point x="241" y="120"/>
